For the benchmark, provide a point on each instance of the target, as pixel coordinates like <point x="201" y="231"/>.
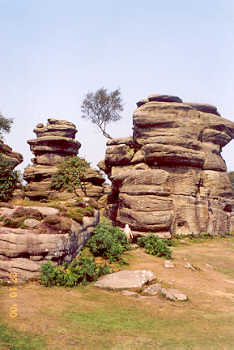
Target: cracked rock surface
<point x="169" y="178"/>
<point x="127" y="279"/>
<point x="51" y="236"/>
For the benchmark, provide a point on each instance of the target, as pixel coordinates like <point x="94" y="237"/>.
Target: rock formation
<point x="13" y="157"/>
<point x="170" y="178"/>
<point x="54" y="142"/>
<point x="30" y="236"/>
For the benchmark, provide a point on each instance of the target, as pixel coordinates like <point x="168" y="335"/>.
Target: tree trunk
<point x="105" y="133"/>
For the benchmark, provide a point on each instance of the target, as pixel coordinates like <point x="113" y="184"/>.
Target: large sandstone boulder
<point x="170" y="178"/>
<point x="127" y="279"/>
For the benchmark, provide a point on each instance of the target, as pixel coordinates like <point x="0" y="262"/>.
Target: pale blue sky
<point x="54" y="51"/>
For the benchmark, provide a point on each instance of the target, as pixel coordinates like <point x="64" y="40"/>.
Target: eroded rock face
<point x="14" y="160"/>
<point x="13" y="157"/>
<point x="170" y="177"/>
<point x="50" y="237"/>
<point x="54" y="142"/>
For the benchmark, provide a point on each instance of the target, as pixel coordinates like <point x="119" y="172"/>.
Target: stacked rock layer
<point x="46" y="235"/>
<point x="14" y="158"/>
<point x="54" y="142"/>
<point x="170" y="178"/>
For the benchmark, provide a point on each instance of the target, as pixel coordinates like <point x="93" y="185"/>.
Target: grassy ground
<point x="87" y="318"/>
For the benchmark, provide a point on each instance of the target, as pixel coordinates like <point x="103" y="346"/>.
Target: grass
<point x="87" y="318"/>
<point x="14" y="340"/>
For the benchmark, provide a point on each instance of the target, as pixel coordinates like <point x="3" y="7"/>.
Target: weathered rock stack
<point x="13" y="157"/>
<point x="170" y="178"/>
<point x="54" y="142"/>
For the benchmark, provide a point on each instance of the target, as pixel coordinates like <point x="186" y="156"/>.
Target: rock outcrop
<point x="14" y="160"/>
<point x="170" y="177"/>
<point x="13" y="157"/>
<point x="30" y="236"/>
<point x="54" y="142"/>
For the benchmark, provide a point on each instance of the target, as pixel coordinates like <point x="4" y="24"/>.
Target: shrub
<point x="81" y="270"/>
<point x="108" y="241"/>
<point x="155" y="246"/>
<point x="8" y="179"/>
<point x="70" y="174"/>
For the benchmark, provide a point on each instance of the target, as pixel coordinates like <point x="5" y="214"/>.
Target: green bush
<point x="70" y="174"/>
<point x="81" y="270"/>
<point x="155" y="246"/>
<point x="108" y="241"/>
<point x="8" y="179"/>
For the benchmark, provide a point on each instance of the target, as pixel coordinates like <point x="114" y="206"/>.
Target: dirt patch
<point x="88" y="318"/>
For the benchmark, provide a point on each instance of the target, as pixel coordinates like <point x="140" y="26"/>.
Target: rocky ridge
<point x="169" y="178"/>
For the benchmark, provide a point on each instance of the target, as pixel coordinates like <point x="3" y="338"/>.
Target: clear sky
<point x="54" y="51"/>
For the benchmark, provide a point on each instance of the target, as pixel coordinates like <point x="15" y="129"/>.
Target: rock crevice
<point x="174" y="154"/>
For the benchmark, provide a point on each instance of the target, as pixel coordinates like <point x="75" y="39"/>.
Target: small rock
<point x="31" y="223"/>
<point x="154" y="289"/>
<point x="40" y="125"/>
<point x="209" y="266"/>
<point x="229" y="281"/>
<point x="46" y="211"/>
<point x="128" y="293"/>
<point x="169" y="264"/>
<point x="164" y="98"/>
<point x="36" y="257"/>
<point x="134" y="246"/>
<point x="174" y="295"/>
<point x="190" y="266"/>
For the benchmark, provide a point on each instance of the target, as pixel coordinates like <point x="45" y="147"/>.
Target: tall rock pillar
<point x="170" y="178"/>
<point x="54" y="142"/>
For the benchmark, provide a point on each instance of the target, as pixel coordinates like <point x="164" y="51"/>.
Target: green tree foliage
<point x="5" y="125"/>
<point x="102" y="108"/>
<point x="108" y="241"/>
<point x="8" y="178"/>
<point x="155" y="246"/>
<point x="70" y="174"/>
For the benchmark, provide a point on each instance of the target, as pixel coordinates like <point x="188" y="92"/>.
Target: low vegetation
<point x="91" y="318"/>
<point x="155" y="246"/>
<point x="8" y="179"/>
<point x="14" y="340"/>
<point x="81" y="270"/>
<point x="108" y="241"/>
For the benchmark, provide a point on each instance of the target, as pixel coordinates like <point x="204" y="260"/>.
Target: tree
<point x="5" y="125"/>
<point x="102" y="108"/>
<point x="8" y="178"/>
<point x="70" y="175"/>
